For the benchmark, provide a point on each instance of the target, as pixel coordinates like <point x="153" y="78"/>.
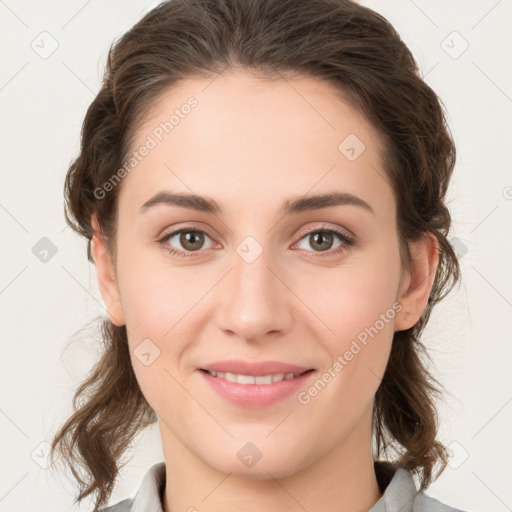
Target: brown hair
<point x="338" y="41"/>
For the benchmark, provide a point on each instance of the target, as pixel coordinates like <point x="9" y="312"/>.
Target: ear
<point x="415" y="289"/>
<point x="106" y="275"/>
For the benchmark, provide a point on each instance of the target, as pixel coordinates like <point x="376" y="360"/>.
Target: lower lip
<point x="255" y="395"/>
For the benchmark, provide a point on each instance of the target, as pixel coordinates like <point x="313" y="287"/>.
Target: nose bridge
<point x="256" y="302"/>
<point x="251" y="269"/>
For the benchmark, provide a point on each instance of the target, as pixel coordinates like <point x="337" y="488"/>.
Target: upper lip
<point x="254" y="368"/>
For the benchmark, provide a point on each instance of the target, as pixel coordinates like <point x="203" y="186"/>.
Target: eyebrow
<point x="291" y="206"/>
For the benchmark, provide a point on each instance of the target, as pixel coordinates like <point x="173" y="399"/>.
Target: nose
<point x="254" y="301"/>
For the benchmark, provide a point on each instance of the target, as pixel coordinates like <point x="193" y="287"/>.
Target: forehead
<point x="237" y="136"/>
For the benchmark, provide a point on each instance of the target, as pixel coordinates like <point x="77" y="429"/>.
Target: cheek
<point x="160" y="318"/>
<point x="153" y="303"/>
<point x="154" y="294"/>
<point x="159" y="315"/>
<point x="358" y="305"/>
<point x="356" y="294"/>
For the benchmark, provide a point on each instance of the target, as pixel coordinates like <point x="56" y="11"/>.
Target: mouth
<point x="259" y="379"/>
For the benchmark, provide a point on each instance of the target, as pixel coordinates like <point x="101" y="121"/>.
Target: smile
<point x="251" y="379"/>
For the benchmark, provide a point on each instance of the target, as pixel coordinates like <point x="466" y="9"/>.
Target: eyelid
<point x="181" y="226"/>
<point x="328" y="227"/>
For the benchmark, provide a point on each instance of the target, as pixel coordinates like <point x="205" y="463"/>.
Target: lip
<point x="253" y="396"/>
<point x="255" y="369"/>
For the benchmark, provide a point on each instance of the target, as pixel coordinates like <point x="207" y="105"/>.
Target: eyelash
<point x="347" y="240"/>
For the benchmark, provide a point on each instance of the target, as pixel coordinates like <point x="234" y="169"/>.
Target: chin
<point x="253" y="460"/>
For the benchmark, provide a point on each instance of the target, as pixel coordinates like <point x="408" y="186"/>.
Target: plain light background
<point x="53" y="56"/>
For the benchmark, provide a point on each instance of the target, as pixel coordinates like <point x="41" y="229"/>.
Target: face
<point x="256" y="276"/>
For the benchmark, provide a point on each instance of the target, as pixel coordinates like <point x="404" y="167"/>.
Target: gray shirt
<point x="400" y="495"/>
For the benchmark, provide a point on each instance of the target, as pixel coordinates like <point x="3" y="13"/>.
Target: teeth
<point x="250" y="379"/>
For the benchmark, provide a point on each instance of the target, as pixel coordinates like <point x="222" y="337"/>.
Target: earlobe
<point x="415" y="290"/>
<point x="107" y="282"/>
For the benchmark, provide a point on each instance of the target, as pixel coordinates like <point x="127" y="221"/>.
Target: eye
<point x="190" y="239"/>
<point x="322" y="239"/>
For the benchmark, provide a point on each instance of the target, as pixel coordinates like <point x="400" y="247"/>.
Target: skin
<point x="250" y="145"/>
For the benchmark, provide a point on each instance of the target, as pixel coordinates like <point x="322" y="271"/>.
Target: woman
<point x="262" y="186"/>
